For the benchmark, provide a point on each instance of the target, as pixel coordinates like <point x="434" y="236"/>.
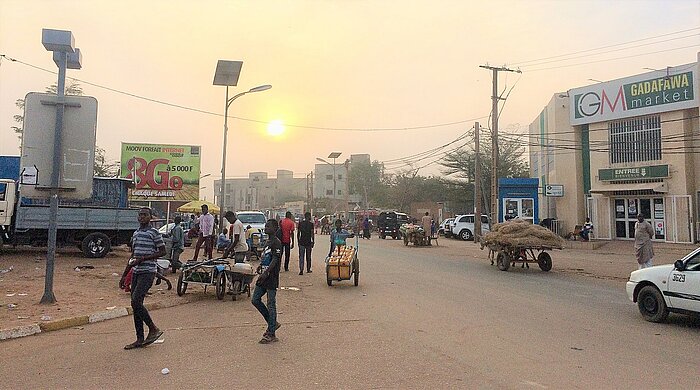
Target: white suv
<point x="667" y="288"/>
<point x="463" y="226"/>
<point x="255" y="219"/>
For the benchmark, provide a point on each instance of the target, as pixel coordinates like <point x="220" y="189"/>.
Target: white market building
<point x="621" y="148"/>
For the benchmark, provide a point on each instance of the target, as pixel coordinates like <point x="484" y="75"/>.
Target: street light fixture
<point x="333" y="155"/>
<point x="227" y="73"/>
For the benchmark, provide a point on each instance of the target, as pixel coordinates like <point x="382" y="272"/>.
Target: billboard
<point x="647" y="93"/>
<point x="161" y="172"/>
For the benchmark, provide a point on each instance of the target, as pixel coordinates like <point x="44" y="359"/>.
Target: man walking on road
<point x="305" y="239"/>
<point x="268" y="281"/>
<point x="206" y="234"/>
<point x="643" y="233"/>
<point x="146" y="247"/>
<point x="287" y="229"/>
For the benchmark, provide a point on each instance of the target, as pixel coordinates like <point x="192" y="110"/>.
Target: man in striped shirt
<point x="146" y="247"/>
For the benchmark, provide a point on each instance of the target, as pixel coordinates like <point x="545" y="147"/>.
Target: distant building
<point x="258" y="191"/>
<point x="323" y="178"/>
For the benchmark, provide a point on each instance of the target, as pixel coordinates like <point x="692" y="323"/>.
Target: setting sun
<point x="275" y="128"/>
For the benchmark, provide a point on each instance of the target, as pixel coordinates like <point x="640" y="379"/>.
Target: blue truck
<point x="94" y="225"/>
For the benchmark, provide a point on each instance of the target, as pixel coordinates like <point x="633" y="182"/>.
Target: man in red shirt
<point x="287" y="229"/>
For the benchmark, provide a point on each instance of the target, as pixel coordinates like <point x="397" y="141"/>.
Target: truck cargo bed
<point x="78" y="218"/>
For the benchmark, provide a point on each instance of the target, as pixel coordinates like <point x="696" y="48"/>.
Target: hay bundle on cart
<point x="514" y="240"/>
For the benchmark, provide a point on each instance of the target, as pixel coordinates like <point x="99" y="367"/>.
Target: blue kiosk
<point x="518" y="197"/>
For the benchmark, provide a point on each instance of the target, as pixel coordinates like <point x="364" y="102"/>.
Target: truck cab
<point x="94" y="225"/>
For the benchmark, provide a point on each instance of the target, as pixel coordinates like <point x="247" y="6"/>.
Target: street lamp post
<point x="227" y="73"/>
<point x="66" y="56"/>
<point x="333" y="155"/>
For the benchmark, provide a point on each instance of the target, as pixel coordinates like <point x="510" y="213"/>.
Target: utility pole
<point x="477" y="184"/>
<point x="311" y="187"/>
<point x="494" y="137"/>
<point x="347" y="190"/>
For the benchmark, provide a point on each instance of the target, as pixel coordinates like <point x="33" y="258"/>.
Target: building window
<point x="329" y="192"/>
<point x="340" y="192"/>
<point x="635" y="140"/>
<point x="340" y="177"/>
<point x="329" y="177"/>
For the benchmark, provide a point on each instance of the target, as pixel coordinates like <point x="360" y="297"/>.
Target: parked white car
<point x="444" y="227"/>
<point x="463" y="226"/>
<point x="667" y="288"/>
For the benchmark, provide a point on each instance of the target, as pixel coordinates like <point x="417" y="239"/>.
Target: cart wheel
<point x="221" y="286"/>
<point x="247" y="289"/>
<point x="235" y="287"/>
<point x="181" y="285"/>
<point x="330" y="282"/>
<point x="544" y="260"/>
<point x="405" y="240"/>
<point x="356" y="277"/>
<point x="502" y="261"/>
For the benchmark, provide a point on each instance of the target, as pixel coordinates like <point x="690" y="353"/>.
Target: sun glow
<point x="275" y="128"/>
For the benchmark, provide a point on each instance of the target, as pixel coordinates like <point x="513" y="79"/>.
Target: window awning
<point x="650" y="188"/>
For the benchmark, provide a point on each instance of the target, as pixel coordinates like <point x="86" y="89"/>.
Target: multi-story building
<point x="258" y="191"/>
<point x="620" y="149"/>
<point x="323" y="178"/>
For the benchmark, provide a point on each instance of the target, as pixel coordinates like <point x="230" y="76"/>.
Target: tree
<point x="102" y="167"/>
<point x="72" y="88"/>
<point x="367" y="179"/>
<point x="511" y="163"/>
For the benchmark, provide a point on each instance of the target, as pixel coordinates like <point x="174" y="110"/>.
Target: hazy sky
<point x="332" y="64"/>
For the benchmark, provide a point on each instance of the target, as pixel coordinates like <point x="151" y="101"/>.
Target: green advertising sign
<point x="648" y="172"/>
<point x="644" y="94"/>
<point x="162" y="172"/>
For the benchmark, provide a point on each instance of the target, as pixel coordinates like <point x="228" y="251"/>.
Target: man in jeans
<point x="146" y="247"/>
<point x="287" y="230"/>
<point x="268" y="281"/>
<point x="305" y="239"/>
<point x="206" y="234"/>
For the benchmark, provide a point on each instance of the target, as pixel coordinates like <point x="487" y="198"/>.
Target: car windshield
<point x="251" y="218"/>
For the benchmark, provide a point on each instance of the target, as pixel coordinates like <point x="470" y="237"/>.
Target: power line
<point x="609" y="51"/>
<point x="613" y="59"/>
<point x="605" y="47"/>
<point x="187" y="108"/>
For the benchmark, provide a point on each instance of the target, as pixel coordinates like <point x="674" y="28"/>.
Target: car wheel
<point x="96" y="245"/>
<point x="651" y="304"/>
<point x="466" y="235"/>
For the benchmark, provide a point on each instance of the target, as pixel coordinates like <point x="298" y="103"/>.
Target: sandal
<point x="135" y="344"/>
<point x="152" y="337"/>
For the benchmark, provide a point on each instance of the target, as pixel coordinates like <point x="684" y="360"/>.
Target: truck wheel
<point x="96" y="245"/>
<point x="466" y="235"/>
<point x="652" y="305"/>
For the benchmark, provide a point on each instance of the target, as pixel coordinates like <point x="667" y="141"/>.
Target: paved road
<point x="421" y="318"/>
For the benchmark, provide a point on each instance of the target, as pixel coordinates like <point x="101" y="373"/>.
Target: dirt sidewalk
<point x="78" y="292"/>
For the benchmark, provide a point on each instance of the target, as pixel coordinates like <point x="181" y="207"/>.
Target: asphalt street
<point x="438" y="317"/>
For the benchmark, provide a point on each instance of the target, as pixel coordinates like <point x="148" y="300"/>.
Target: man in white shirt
<point x="238" y="246"/>
<point x="206" y="234"/>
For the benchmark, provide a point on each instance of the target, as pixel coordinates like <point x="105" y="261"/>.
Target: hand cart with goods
<point x="226" y="278"/>
<point x="342" y="264"/>
<point x="518" y="241"/>
<point x="414" y="234"/>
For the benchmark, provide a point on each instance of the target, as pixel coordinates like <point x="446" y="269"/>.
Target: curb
<point x="64" y="323"/>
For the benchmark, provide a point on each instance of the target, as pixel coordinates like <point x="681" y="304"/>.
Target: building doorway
<point x="626" y="212"/>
